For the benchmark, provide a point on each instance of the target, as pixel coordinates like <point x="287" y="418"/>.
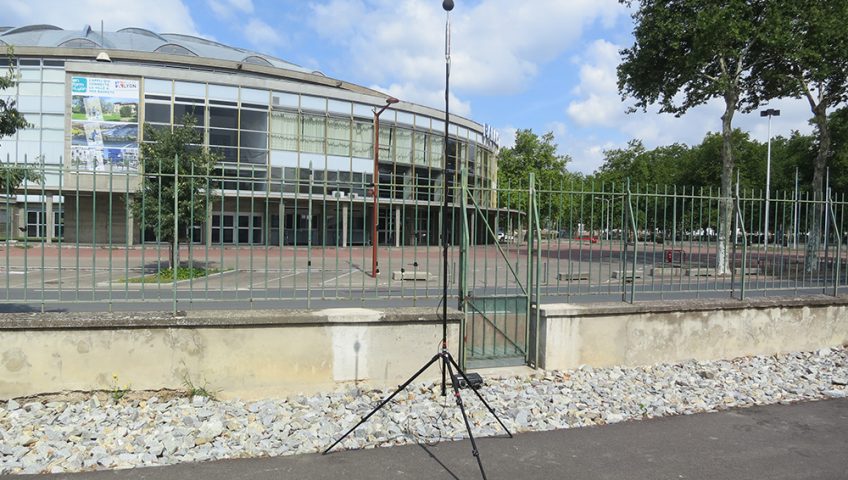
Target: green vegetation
<point x="202" y="390"/>
<point x="177" y="180"/>
<point x="118" y="392"/>
<point x="532" y="153"/>
<point x="11" y="120"/>
<point x="167" y="275"/>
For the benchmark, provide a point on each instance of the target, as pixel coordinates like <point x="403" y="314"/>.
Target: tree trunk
<point x="811" y="258"/>
<point x="726" y="203"/>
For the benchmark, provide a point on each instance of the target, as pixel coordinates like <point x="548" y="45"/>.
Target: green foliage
<point x="11" y="120"/>
<point x="167" y="275"/>
<point x="687" y="52"/>
<point x="118" y="392"/>
<point x="532" y="153"/>
<point x="202" y="390"/>
<point x="174" y="165"/>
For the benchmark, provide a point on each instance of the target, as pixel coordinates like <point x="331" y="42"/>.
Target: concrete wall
<point x="644" y="334"/>
<point x="244" y="354"/>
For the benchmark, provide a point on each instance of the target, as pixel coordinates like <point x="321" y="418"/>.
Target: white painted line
<point x="340" y="276"/>
<point x="279" y="278"/>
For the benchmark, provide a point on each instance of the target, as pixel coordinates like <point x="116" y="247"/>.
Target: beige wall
<point x="573" y="335"/>
<point x="248" y="357"/>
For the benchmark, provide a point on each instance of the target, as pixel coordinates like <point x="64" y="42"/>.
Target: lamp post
<point x="376" y="178"/>
<point x="771" y="112"/>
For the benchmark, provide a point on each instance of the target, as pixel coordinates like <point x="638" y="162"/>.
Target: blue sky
<point x="548" y="65"/>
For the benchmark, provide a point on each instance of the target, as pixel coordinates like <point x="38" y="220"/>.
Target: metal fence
<point x="99" y="240"/>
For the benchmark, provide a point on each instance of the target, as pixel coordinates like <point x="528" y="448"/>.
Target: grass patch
<point x="168" y="275"/>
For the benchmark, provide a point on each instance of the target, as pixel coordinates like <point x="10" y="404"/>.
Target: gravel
<point x="66" y="436"/>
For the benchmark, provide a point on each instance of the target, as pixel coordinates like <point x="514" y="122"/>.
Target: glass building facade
<point x="290" y="141"/>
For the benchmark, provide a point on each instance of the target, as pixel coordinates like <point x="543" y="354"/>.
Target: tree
<point x="687" y="52"/>
<point x="11" y="120"/>
<point x="532" y="153"/>
<point x="804" y="57"/>
<point x="174" y="162"/>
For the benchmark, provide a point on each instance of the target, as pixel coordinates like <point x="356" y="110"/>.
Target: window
<point x="312" y="133"/>
<point x="338" y="136"/>
<point x="237" y="228"/>
<point x="403" y="145"/>
<point x="284" y="127"/>
<point x="363" y="140"/>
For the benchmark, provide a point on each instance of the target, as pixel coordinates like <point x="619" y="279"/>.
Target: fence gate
<point x="498" y="272"/>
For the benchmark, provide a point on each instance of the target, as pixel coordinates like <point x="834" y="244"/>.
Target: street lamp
<point x="389" y="101"/>
<point x="771" y="112"/>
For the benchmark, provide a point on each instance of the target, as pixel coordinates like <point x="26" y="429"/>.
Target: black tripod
<point x="450" y="366"/>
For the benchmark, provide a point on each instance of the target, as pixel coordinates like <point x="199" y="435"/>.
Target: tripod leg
<point x="384" y="402"/>
<point x="468" y="382"/>
<point x="455" y="385"/>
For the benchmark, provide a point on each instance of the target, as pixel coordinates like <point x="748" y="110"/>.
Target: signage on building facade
<point x="104" y="124"/>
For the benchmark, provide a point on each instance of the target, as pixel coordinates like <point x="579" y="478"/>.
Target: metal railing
<point x="86" y="240"/>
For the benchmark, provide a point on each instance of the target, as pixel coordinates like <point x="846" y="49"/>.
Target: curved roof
<point x="136" y="39"/>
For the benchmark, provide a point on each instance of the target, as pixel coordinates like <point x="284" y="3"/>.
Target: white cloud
<point x="227" y="8"/>
<point x="498" y="46"/>
<point x="599" y="109"/>
<point x="262" y="35"/>
<point x="410" y="92"/>
<point x="114" y="14"/>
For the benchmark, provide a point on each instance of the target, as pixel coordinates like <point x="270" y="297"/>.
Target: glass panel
<point x="30" y="104"/>
<point x="256" y="157"/>
<point x="437" y="151"/>
<point x="338" y="136"/>
<point x="189" y="89"/>
<point x="223" y="117"/>
<point x="282" y="99"/>
<point x="154" y="85"/>
<point x="250" y="95"/>
<point x="52" y="135"/>
<point x="157" y="112"/>
<point x="360" y="110"/>
<point x="53" y="104"/>
<point x="363" y="140"/>
<point x="386" y="134"/>
<point x="195" y="111"/>
<point x="227" y="138"/>
<point x="420" y="149"/>
<point x="284" y="127"/>
<point x="254" y="140"/>
<point x="403" y="145"/>
<point x="313" y="103"/>
<point x="407" y="118"/>
<point x="53" y="75"/>
<point x="312" y="130"/>
<point x="337" y="106"/>
<point x="221" y="92"/>
<point x="29" y="88"/>
<point x="53" y="89"/>
<point x="30" y="75"/>
<point x="254" y="120"/>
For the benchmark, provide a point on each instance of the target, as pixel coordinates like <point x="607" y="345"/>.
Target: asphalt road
<point x="800" y="441"/>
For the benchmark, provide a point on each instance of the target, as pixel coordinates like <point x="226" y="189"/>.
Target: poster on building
<point x="104" y="124"/>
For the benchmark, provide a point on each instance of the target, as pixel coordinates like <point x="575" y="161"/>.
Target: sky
<point x="546" y="65"/>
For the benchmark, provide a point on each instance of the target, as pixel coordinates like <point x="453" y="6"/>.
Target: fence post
<point x="176" y="254"/>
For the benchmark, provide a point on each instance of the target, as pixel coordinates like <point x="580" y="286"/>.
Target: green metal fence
<point x="87" y="240"/>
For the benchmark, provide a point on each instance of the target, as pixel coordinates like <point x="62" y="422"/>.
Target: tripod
<point x="450" y="366"/>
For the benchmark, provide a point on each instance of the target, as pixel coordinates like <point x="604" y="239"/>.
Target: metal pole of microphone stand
<point x="445" y="203"/>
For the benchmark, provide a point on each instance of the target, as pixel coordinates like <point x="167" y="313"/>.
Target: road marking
<point x="340" y="276"/>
